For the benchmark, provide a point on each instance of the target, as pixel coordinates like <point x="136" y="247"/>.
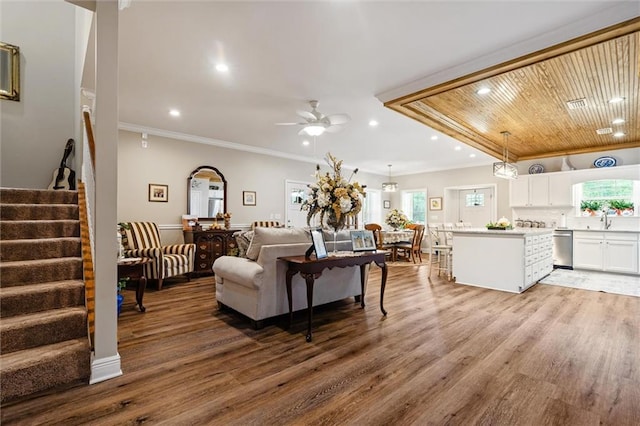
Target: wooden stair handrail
<point x="92" y="144"/>
<point x="87" y="262"/>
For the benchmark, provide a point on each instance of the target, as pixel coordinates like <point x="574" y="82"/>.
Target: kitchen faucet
<point x="605" y="219"/>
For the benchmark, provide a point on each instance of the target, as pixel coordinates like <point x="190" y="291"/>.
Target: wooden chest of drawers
<point x="210" y="245"/>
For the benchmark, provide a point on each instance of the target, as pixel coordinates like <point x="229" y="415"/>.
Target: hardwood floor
<point x="445" y="354"/>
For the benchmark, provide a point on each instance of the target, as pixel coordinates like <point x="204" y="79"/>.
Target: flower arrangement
<point x="502" y="223"/>
<point x="396" y="219"/>
<point x="333" y="197"/>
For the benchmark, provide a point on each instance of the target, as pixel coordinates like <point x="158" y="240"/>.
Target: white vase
<point x="565" y="165"/>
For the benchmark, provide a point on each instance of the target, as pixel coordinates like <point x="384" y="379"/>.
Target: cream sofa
<point x="255" y="285"/>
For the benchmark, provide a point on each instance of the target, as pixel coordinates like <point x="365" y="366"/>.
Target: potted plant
<point x="621" y="207"/>
<point x="590" y="207"/>
<point x="122" y="284"/>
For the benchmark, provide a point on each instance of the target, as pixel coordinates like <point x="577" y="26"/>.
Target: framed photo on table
<point x="158" y="193"/>
<point x="435" y="203"/>
<point x="318" y="243"/>
<point x="362" y="240"/>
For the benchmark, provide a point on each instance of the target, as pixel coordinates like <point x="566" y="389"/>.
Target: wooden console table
<point x="312" y="268"/>
<point x="134" y="270"/>
<point x="210" y="245"/>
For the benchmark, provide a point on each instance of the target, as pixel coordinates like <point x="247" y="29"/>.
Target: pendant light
<point x="503" y="169"/>
<point x="389" y="186"/>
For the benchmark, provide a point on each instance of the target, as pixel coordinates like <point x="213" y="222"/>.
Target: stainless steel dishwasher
<point x="563" y="248"/>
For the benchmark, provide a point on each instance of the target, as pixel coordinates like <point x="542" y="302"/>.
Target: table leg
<point x="309" y="278"/>
<point x="142" y="284"/>
<point x="383" y="284"/>
<point x="363" y="269"/>
<point x="290" y="275"/>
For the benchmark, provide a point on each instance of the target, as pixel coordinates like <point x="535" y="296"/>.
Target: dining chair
<point x="413" y="249"/>
<point x="390" y="249"/>
<point x="440" y="254"/>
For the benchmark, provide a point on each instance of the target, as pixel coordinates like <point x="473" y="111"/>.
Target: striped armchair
<point x="265" y="224"/>
<point x="143" y="240"/>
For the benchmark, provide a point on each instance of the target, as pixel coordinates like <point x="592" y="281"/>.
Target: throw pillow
<point x="270" y="236"/>
<point x="243" y="239"/>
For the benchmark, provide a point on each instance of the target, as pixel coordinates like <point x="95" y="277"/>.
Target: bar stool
<point x="440" y="254"/>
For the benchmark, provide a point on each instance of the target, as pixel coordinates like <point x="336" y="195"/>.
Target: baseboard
<point x="104" y="369"/>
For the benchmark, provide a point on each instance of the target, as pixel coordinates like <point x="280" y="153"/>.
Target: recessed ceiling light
<point x="483" y="91"/>
<point x="618" y="121"/>
<point x="373" y="123"/>
<point x="305" y="142"/>
<point x="618" y="134"/>
<point x="434" y="138"/>
<point x="458" y="148"/>
<point x="174" y="113"/>
<point x="472" y="155"/>
<point x="615" y="100"/>
<point x="222" y="67"/>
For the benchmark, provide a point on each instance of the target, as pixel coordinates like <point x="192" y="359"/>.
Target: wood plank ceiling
<point x="529" y="98"/>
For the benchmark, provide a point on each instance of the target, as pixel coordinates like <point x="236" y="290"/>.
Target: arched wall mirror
<point x="207" y="193"/>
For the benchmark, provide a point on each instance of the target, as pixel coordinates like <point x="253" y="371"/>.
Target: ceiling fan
<point x="316" y="123"/>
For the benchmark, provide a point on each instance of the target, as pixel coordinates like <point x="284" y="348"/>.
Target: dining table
<point x="393" y="237"/>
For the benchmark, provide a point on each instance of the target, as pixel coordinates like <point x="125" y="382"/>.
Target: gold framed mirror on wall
<point x="206" y="193"/>
<point x="9" y="72"/>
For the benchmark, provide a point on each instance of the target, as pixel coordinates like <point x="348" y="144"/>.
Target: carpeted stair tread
<point x="38" y="211"/>
<point x="21" y="229"/>
<point x="42" y="328"/>
<point x="37" y="369"/>
<point x="44" y="341"/>
<point x="37" y="196"/>
<point x="30" y="298"/>
<point x="40" y="248"/>
<point x="40" y="270"/>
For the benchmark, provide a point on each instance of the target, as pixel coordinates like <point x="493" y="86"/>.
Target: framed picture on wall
<point x="386" y="204"/>
<point x="435" y="203"/>
<point x="248" y="198"/>
<point x="158" y="193"/>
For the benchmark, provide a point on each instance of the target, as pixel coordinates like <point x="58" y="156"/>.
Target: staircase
<point x="44" y="341"/>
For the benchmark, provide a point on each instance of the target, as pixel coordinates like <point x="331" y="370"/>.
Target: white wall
<point x="170" y="162"/>
<point x="436" y="182"/>
<point x="35" y="130"/>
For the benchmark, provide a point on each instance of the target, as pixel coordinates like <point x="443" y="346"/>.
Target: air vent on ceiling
<point x="604" y="131"/>
<point x="577" y="103"/>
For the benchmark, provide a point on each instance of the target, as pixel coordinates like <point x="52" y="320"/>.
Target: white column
<point x="106" y="362"/>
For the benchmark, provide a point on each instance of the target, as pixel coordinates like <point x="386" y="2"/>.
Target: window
<point x="414" y="205"/>
<point x="372" y="207"/>
<point x="474" y="200"/>
<point x="616" y="197"/>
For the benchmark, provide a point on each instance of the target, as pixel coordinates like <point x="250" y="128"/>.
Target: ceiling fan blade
<point x="334" y="128"/>
<point x="338" y="118"/>
<point x="290" y="124"/>
<point x="307" y="115"/>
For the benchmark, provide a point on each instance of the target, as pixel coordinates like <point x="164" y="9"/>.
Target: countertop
<point x="506" y="232"/>
<point x="604" y="230"/>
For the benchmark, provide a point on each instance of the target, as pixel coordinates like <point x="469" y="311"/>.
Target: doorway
<point x="476" y="205"/>
<point x="295" y="194"/>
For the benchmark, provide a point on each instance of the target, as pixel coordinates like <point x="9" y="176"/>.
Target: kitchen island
<point x="509" y="260"/>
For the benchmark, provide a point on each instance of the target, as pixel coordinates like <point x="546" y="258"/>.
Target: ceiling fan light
<point x="314" y="130"/>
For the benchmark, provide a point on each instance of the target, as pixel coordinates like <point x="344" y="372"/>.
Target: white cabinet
<point x="606" y="251"/>
<point x="519" y="192"/>
<point x="560" y="189"/>
<point x="554" y="189"/>
<point x="501" y="260"/>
